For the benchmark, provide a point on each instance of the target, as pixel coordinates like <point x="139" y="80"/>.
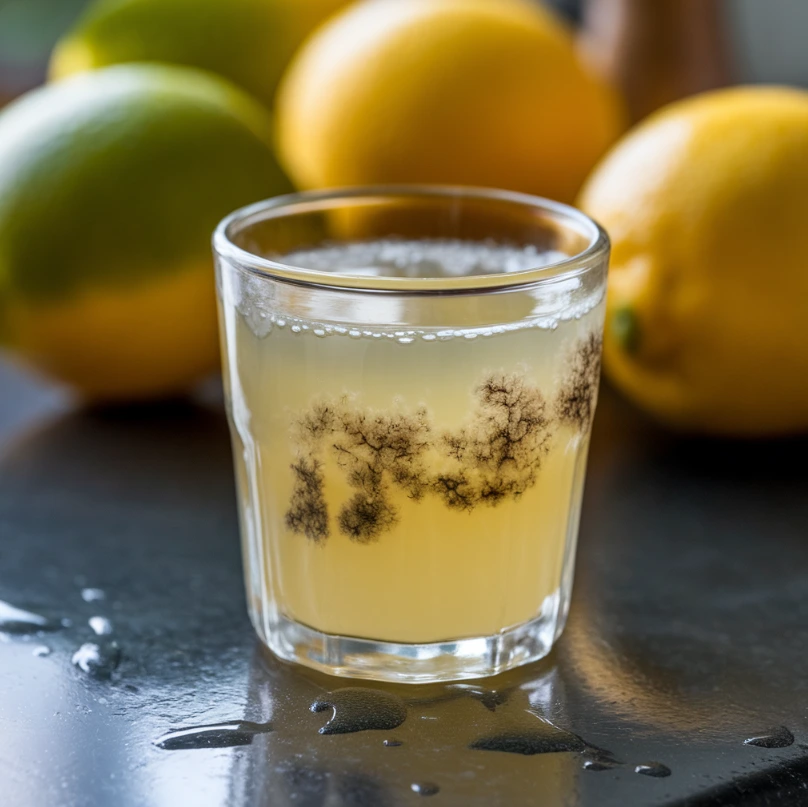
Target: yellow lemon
<point x="707" y="318"/>
<point x="248" y="41"/>
<point x="110" y="186"/>
<point x="480" y="92"/>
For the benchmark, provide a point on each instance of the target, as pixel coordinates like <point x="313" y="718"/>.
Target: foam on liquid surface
<point x="439" y="258"/>
<point x="556" y="302"/>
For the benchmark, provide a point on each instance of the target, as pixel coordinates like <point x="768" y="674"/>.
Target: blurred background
<point x="767" y="39"/>
<point x="146" y="121"/>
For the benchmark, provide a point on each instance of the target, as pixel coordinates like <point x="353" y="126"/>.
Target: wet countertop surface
<point x="118" y="540"/>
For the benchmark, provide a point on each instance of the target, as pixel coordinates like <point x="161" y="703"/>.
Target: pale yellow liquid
<point x="437" y="572"/>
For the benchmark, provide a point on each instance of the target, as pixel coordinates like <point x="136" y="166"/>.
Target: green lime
<point x="248" y="41"/>
<point x="110" y="186"/>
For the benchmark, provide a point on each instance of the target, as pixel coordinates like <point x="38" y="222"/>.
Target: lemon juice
<point x="416" y="484"/>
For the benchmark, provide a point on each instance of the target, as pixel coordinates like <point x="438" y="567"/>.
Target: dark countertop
<point x="687" y="633"/>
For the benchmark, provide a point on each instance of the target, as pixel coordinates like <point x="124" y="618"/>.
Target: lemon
<point x="110" y="186"/>
<point x="248" y="41"/>
<point x="706" y="205"/>
<point x="480" y="92"/>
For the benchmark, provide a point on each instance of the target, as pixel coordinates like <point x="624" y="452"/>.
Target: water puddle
<point x="360" y="709"/>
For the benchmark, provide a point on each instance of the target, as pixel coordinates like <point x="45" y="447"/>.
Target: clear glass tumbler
<point x="411" y="375"/>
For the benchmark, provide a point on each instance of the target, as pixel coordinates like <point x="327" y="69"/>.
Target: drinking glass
<point x="411" y="375"/>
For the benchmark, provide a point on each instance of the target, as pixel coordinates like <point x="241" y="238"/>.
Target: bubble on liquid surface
<point x="425" y="788"/>
<point x="425" y="258"/>
<point x="360" y="709"/>
<point x="655" y="769"/>
<point x="213" y="735"/>
<point x="93" y="594"/>
<point x="98" y="660"/>
<point x="101" y="625"/>
<point x="21" y="622"/>
<point x="777" y="737"/>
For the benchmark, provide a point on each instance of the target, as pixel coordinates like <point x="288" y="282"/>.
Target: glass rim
<point x="278" y="206"/>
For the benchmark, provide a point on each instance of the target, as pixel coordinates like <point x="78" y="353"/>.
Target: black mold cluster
<point x="495" y="457"/>
<point x="575" y="404"/>
<point x="499" y="454"/>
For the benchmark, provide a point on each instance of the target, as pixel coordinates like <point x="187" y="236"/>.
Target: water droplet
<point x="42" y="650"/>
<point x="598" y="765"/>
<point x="21" y="622"/>
<point x="777" y="737"/>
<point x="393" y="743"/>
<point x="425" y="788"/>
<point x="490" y="698"/>
<point x="101" y="625"/>
<point x="98" y="660"/>
<point x="360" y="709"/>
<point x="656" y="769"/>
<point x="214" y="735"/>
<point x="539" y="737"/>
<point x="93" y="594"/>
<point x="599" y="759"/>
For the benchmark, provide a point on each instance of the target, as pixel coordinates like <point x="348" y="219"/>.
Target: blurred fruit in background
<point x="476" y="92"/>
<point x="111" y="185"/>
<point x="706" y="204"/>
<point x="248" y="41"/>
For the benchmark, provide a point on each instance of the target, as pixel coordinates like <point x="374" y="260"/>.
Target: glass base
<point x="475" y="657"/>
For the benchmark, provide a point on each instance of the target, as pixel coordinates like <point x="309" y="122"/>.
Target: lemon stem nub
<point x="625" y="326"/>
